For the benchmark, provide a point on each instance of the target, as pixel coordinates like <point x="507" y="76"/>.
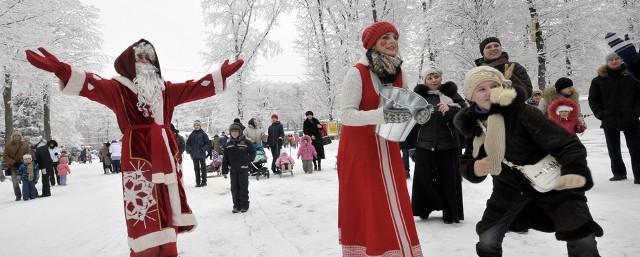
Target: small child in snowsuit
<point x="63" y="168"/>
<point x="238" y="155"/>
<point x="306" y="152"/>
<point x="564" y="112"/>
<point x="29" y="176"/>
<point x="285" y="162"/>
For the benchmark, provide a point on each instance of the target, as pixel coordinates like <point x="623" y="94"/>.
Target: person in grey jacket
<point x="198" y="146"/>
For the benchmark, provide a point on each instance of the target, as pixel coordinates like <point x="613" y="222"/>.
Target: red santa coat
<point x="374" y="212"/>
<point x="155" y="204"/>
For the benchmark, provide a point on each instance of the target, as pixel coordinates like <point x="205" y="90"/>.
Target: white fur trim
<point x="90" y="87"/>
<point x="218" y="82"/>
<point x="205" y="83"/>
<point x="158" y="178"/>
<point x="185" y="219"/>
<point x="75" y="83"/>
<point x="126" y="82"/>
<point x="152" y="239"/>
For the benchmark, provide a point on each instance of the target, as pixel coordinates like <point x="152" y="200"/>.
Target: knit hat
<point x="375" y="31"/>
<point x="563" y="108"/>
<point x="611" y="56"/>
<point x="431" y="70"/>
<point x="235" y="127"/>
<point x="480" y="74"/>
<point x="486" y="41"/>
<point x="308" y="113"/>
<point x="274" y="116"/>
<point x="563" y="83"/>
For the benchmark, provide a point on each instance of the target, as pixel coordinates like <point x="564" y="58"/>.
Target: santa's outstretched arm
<point x="73" y="82"/>
<point x="209" y="85"/>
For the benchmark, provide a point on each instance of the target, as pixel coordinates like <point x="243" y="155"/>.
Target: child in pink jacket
<point x="306" y="152"/>
<point x="63" y="168"/>
<point x="285" y="162"/>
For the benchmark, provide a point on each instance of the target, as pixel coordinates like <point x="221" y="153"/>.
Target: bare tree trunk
<point x="539" y="40"/>
<point x="567" y="61"/>
<point x="373" y="10"/>
<point x="47" y="116"/>
<point x="325" y="59"/>
<point x="8" y="110"/>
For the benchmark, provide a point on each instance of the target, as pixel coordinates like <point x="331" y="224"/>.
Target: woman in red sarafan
<point x="374" y="211"/>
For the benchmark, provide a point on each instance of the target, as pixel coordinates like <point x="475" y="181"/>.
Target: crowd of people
<point x="498" y="127"/>
<point x="495" y="127"/>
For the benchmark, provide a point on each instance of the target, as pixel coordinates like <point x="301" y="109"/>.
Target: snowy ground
<point x="289" y="216"/>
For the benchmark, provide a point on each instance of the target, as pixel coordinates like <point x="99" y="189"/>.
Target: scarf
<point x="30" y="171"/>
<point x="443" y="98"/>
<point x="386" y="67"/>
<point x="493" y="135"/>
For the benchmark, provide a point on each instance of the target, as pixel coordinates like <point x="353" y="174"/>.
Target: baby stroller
<point x="215" y="165"/>
<point x="257" y="168"/>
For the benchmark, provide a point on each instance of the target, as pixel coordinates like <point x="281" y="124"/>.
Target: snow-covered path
<point x="289" y="216"/>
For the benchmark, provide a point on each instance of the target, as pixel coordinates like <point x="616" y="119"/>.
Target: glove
<point x="624" y="48"/>
<point x="412" y="154"/>
<point x="580" y="128"/>
<point x="396" y="115"/>
<point x="50" y="63"/>
<point x="229" y="69"/>
<point x="570" y="181"/>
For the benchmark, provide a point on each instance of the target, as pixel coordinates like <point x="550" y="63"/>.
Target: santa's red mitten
<point x="229" y="69"/>
<point x="50" y="63"/>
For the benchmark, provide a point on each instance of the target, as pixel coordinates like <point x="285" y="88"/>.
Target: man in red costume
<point x="155" y="203"/>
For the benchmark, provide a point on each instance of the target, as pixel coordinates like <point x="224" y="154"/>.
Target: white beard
<point x="149" y="86"/>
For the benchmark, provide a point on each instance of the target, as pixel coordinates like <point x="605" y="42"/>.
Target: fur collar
<point x="602" y="71"/>
<point x="549" y="94"/>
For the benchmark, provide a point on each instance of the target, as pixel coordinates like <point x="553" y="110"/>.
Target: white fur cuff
<point x="218" y="82"/>
<point x="75" y="83"/>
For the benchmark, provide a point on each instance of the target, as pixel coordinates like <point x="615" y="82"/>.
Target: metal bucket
<point x="402" y="98"/>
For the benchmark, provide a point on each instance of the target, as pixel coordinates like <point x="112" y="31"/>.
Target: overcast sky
<point x="176" y="30"/>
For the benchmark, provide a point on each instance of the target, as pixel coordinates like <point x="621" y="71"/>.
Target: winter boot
<point x="319" y="166"/>
<point x="235" y="210"/>
<point x="315" y="165"/>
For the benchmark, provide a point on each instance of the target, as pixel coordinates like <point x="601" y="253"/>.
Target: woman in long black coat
<point x="312" y="128"/>
<point x="435" y="149"/>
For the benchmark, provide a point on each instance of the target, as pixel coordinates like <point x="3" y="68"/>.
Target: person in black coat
<point x="493" y="56"/>
<point x="179" y="139"/>
<point x="313" y="128"/>
<point x="614" y="98"/>
<point x="521" y="134"/>
<point x="435" y="149"/>
<point x="198" y="146"/>
<point x="44" y="161"/>
<point x="275" y="135"/>
<point x="238" y="155"/>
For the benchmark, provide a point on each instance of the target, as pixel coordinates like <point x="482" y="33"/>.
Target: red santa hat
<point x="375" y="31"/>
<point x="125" y="64"/>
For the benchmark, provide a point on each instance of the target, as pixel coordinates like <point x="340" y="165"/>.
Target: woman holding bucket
<point x="374" y="211"/>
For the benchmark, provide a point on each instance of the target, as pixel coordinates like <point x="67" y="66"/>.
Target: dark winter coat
<point x="275" y="135"/>
<point x="43" y="158"/>
<point x="310" y="128"/>
<point x="198" y="144"/>
<point x="438" y="133"/>
<point x="180" y="142"/>
<point x="519" y="77"/>
<point x="529" y="137"/>
<point x="238" y="155"/>
<point x="614" y="98"/>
